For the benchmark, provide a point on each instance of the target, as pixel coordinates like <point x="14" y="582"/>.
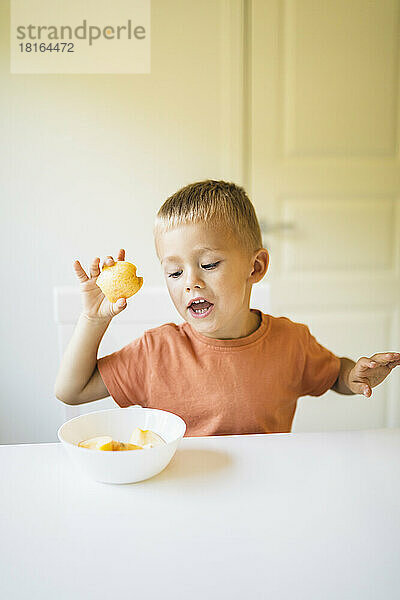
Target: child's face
<point x="199" y="261"/>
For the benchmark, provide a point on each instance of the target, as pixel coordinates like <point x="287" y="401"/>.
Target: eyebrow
<point x="201" y="249"/>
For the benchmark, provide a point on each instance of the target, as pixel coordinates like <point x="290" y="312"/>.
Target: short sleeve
<point x="124" y="373"/>
<point x="321" y="367"/>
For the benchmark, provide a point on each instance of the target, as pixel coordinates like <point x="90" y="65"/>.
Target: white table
<point x="300" y="516"/>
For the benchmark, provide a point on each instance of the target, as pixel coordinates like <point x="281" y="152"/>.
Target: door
<point x="322" y="168"/>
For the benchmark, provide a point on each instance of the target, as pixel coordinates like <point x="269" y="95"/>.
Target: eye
<point x="210" y="266"/>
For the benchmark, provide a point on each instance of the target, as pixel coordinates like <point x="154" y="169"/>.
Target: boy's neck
<point x="250" y="326"/>
<point x="255" y="322"/>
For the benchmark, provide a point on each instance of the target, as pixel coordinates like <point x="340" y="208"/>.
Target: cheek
<point x="232" y="280"/>
<point x="231" y="289"/>
<point x="172" y="288"/>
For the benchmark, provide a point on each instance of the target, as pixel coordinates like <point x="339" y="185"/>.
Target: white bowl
<point x="127" y="466"/>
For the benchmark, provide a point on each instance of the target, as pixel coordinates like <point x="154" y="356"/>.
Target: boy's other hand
<point x="370" y="372"/>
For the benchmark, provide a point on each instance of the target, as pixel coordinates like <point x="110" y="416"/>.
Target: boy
<point x="227" y="369"/>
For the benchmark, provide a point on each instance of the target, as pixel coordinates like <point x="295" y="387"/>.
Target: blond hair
<point x="215" y="203"/>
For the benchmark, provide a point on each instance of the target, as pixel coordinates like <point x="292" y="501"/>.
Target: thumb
<point x="119" y="305"/>
<point x="362" y="388"/>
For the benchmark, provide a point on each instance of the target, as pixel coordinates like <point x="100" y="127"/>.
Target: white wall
<point x="86" y="161"/>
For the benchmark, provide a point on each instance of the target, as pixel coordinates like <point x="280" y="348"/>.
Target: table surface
<point x="297" y="515"/>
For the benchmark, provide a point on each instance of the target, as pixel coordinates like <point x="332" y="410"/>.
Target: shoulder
<point x="288" y="326"/>
<point x="293" y="334"/>
<point x="168" y="332"/>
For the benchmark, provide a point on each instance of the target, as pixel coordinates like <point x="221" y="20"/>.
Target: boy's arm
<point x="80" y="359"/>
<point x="365" y="374"/>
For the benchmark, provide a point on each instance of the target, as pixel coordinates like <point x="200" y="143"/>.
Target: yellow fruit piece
<point x="107" y="446"/>
<point x="119" y="281"/>
<point x="123" y="446"/>
<point x="96" y="443"/>
<point x="105" y="442"/>
<point x="146" y="438"/>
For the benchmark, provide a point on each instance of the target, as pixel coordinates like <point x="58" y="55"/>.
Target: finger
<point x="393" y="364"/>
<point x="118" y="306"/>
<point x="365" y="363"/>
<point x="109" y="261"/>
<point x="367" y="391"/>
<point x="80" y="272"/>
<point x="121" y="254"/>
<point x="384" y="357"/>
<point x="362" y="387"/>
<point x="94" y="267"/>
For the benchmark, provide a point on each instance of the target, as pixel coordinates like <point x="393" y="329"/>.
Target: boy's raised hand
<point x="95" y="305"/>
<point x="370" y="372"/>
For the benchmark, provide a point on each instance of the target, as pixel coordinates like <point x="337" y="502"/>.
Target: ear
<point x="260" y="264"/>
<point x="156" y="246"/>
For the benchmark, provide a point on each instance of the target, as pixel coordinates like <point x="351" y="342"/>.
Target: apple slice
<point x="146" y="438"/>
<point x="102" y="442"/>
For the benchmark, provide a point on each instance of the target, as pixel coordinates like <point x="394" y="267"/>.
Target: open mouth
<point x="200" y="309"/>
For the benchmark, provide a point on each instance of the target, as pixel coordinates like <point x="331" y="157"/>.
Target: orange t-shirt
<point x="222" y="387"/>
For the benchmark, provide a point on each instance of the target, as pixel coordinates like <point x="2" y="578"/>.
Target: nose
<point x="193" y="286"/>
<point x="193" y="281"/>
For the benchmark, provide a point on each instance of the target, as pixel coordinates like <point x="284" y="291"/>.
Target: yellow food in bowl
<point x="139" y="440"/>
<point x="119" y="281"/>
<point x="102" y="442"/>
<point x="145" y="438"/>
